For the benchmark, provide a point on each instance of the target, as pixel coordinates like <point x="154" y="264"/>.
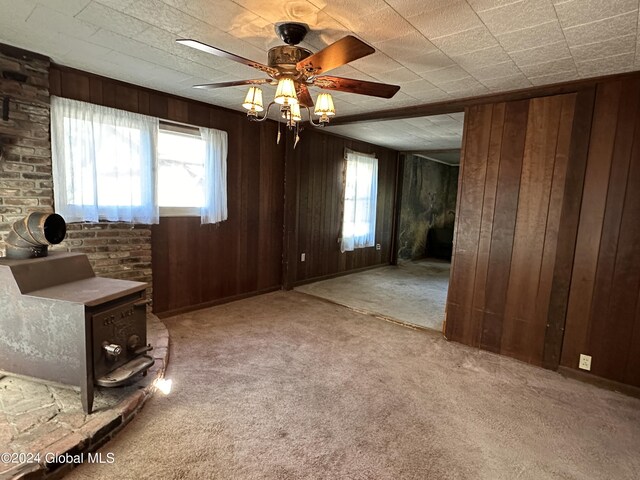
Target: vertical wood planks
<point x="512" y="186"/>
<point x="591" y="220"/>
<point x="487" y="218"/>
<point x="603" y="316"/>
<point x="568" y="228"/>
<point x="504" y="220"/>
<point x="520" y="335"/>
<point x="468" y="218"/>
<point x="318" y="162"/>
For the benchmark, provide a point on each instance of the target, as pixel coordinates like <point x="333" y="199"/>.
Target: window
<point x="192" y="172"/>
<point x="114" y="165"/>
<point x="360" y="200"/>
<point x="103" y="163"/>
<point x="181" y="155"/>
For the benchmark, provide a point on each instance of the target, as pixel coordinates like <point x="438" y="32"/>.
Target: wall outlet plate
<point x="378" y="246"/>
<point x="585" y="362"/>
<point x="303" y="257"/>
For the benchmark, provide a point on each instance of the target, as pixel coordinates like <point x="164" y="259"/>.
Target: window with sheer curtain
<point x="192" y="172"/>
<point x="109" y="164"/>
<point x="103" y="163"/>
<point x="360" y="201"/>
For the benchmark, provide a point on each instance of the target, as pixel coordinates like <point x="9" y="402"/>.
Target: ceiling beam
<point x="433" y="151"/>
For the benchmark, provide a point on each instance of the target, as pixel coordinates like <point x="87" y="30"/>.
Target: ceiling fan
<point x="293" y="69"/>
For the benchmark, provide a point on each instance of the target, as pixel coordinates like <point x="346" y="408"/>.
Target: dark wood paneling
<point x="603" y="313"/>
<point x="503" y="225"/>
<point x="523" y="328"/>
<point x="314" y="192"/>
<point x="568" y="229"/>
<point x="591" y="220"/>
<point x="512" y="186"/>
<point x="194" y="265"/>
<point x="478" y="123"/>
<point x="487" y="219"/>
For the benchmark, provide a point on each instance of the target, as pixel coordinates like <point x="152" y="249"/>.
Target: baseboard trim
<point x="599" y="381"/>
<point x="213" y="303"/>
<point x="329" y="276"/>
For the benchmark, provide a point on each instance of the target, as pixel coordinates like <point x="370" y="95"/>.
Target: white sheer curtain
<point x="104" y="163"/>
<point x="215" y="176"/>
<point x="360" y="200"/>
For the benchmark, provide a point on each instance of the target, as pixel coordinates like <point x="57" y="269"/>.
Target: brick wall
<point x="116" y="250"/>
<point x="25" y="161"/>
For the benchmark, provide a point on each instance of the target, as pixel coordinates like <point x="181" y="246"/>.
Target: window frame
<point x="184" y="129"/>
<point x="372" y="200"/>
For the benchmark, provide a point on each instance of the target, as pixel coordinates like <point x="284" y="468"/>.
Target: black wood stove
<point x="60" y="323"/>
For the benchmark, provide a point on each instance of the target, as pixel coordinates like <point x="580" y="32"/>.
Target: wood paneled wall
<point x="194" y="265"/>
<point x="547" y="249"/>
<point x="603" y="317"/>
<point x="509" y="210"/>
<point x="314" y="191"/>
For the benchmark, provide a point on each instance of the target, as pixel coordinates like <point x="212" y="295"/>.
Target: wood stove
<point x="60" y="323"/>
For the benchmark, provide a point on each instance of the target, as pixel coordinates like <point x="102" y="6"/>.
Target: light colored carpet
<point x="412" y="292"/>
<point x="287" y="386"/>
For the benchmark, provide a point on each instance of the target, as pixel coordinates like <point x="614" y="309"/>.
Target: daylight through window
<point x="360" y="201"/>
<point x="181" y="159"/>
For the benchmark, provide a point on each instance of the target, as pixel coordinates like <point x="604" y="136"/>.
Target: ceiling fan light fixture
<point x="286" y="92"/>
<point x="253" y="100"/>
<point x="324" y="107"/>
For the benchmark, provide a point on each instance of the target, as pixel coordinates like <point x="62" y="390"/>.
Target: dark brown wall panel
<point x="512" y="136"/>
<point x="596" y="183"/>
<point x="478" y="126"/>
<point x="314" y="192"/>
<point x="512" y="182"/>
<point x="527" y="301"/>
<point x="567" y="231"/>
<point x="196" y="265"/>
<point x="602" y="317"/>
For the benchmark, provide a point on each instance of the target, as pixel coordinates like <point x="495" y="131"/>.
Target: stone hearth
<point x="47" y="420"/>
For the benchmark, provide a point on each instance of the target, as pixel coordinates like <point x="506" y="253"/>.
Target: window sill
<point x="179" y="211"/>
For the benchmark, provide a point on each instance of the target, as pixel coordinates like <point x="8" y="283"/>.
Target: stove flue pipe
<point x="31" y="236"/>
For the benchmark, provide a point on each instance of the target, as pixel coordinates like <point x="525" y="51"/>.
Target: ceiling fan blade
<point x="362" y="87"/>
<point x="203" y="47"/>
<point x="304" y="97"/>
<point x="343" y="51"/>
<point x="260" y="81"/>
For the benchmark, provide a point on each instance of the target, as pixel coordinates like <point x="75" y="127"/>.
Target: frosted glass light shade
<point x="295" y="113"/>
<point x="253" y="100"/>
<point x="286" y="92"/>
<point x="324" y="105"/>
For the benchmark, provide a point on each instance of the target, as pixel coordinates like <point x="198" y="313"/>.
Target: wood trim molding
<point x="600" y="382"/>
<point x="213" y="303"/>
<point x="15" y="52"/>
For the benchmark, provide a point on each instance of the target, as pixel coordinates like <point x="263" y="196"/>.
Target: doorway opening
<point x="413" y="290"/>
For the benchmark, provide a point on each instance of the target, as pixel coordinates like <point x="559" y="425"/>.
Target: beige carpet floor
<point x="287" y="386"/>
<point x="411" y="292"/>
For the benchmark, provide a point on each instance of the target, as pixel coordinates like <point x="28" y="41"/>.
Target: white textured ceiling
<point x="434" y="49"/>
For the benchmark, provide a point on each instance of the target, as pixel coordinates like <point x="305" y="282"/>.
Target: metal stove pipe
<point x="31" y="236"/>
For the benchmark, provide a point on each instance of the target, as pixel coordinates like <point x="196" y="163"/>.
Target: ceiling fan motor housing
<point x="285" y="57"/>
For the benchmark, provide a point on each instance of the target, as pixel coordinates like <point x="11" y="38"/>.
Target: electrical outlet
<point x="378" y="246"/>
<point x="585" y="362"/>
<point x="303" y="257"/>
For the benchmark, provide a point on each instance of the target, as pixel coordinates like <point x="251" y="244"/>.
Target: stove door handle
<point x="142" y="350"/>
